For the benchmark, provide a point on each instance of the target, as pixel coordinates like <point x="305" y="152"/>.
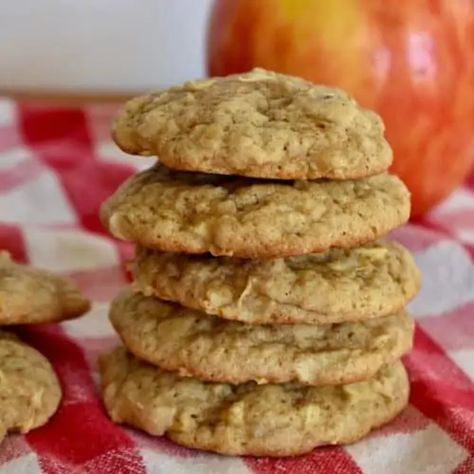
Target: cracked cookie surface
<point x="333" y="286"/>
<point x="29" y="295"/>
<point x="199" y="213"/>
<point x="248" y="419"/>
<point x="257" y="124"/>
<point x="29" y="389"/>
<point x="209" y="348"/>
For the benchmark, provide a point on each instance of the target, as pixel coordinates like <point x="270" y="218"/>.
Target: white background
<point x="100" y="45"/>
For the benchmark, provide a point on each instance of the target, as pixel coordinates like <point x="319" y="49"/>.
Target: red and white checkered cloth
<point x="57" y="165"/>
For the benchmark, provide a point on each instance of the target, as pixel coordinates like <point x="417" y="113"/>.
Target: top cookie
<point x="29" y="295"/>
<point x="257" y="124"/>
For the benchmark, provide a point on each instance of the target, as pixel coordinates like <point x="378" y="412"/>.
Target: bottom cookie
<point x="29" y="389"/>
<point x="248" y="419"/>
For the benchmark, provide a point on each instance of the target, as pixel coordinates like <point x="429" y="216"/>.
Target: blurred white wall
<point x="100" y="45"/>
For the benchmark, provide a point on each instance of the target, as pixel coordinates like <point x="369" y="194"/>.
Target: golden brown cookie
<point x="198" y="213"/>
<point x="249" y="419"/>
<point x="29" y="389"/>
<point x="257" y="124"/>
<point x="29" y="295"/>
<point x="212" y="349"/>
<point x="333" y="286"/>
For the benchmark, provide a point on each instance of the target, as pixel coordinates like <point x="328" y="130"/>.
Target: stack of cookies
<point x="29" y="389"/>
<point x="265" y="316"/>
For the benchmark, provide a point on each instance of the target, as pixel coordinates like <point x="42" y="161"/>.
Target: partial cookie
<point x="199" y="213"/>
<point x="257" y="124"/>
<point x="29" y="389"/>
<point x="212" y="349"/>
<point x="29" y="295"/>
<point x="249" y="419"/>
<point x="333" y="286"/>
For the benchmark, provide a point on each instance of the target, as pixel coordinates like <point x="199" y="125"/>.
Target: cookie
<point x="333" y="286"/>
<point x="29" y="295"/>
<point x="212" y="349"/>
<point x="248" y="419"/>
<point x="257" y="124"/>
<point x="199" y="213"/>
<point x="29" y="389"/>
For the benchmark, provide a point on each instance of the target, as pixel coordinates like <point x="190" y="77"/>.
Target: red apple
<point x="410" y="60"/>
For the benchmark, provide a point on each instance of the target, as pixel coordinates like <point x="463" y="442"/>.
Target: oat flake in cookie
<point x="257" y="124"/>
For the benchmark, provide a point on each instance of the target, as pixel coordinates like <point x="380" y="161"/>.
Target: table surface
<point x="57" y="164"/>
